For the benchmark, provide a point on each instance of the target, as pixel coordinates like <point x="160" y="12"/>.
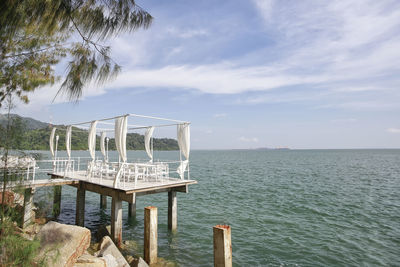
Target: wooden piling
<point x="172" y="211"/>
<point x="57" y="200"/>
<point x="103" y="202"/>
<point x="27" y="217"/>
<point x="132" y="208"/>
<point x="80" y="205"/>
<point x="222" y="246"/>
<point x="150" y="234"/>
<point x="116" y="221"/>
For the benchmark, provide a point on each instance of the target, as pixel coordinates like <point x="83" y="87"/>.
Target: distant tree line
<point x="38" y="139"/>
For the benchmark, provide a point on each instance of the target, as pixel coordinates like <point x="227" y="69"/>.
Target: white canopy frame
<point x="121" y="128"/>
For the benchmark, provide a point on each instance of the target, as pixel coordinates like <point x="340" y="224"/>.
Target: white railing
<point x="120" y="173"/>
<point x="18" y="170"/>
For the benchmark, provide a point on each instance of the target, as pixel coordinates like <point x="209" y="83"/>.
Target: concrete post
<point x="132" y="208"/>
<point x="57" y="200"/>
<point x="150" y="234"/>
<point x="172" y="211"/>
<point x="103" y="202"/>
<point x="80" y="205"/>
<point x="116" y="221"/>
<point x="27" y="217"/>
<point x="222" y="246"/>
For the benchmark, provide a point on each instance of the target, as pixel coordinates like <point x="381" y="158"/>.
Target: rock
<point x="103" y="231"/>
<point x="62" y="245"/>
<point x="139" y="263"/>
<point x="107" y="247"/>
<point x="31" y="231"/>
<point x="40" y="221"/>
<point x="111" y="261"/>
<point x="87" y="260"/>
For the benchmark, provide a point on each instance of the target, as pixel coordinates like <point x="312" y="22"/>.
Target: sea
<point x="285" y="207"/>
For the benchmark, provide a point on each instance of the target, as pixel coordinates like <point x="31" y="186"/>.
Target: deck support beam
<point x="116" y="221"/>
<point x="172" y="211"/>
<point x="132" y="207"/>
<point x="150" y="234"/>
<point x="57" y="200"/>
<point x="27" y="217"/>
<point x="80" y="205"/>
<point x="103" y="202"/>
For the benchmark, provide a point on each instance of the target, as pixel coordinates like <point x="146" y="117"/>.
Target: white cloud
<point x="265" y="7"/>
<point x="393" y="130"/>
<point x="187" y="33"/>
<point x="220" y="115"/>
<point x="248" y="139"/>
<point x="333" y="47"/>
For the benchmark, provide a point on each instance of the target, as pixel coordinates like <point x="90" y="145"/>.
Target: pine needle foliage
<point x="36" y="34"/>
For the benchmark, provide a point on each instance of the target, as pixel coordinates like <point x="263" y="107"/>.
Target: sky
<point x="255" y="73"/>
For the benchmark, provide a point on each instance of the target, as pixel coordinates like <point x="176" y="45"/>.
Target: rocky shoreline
<point x="72" y="246"/>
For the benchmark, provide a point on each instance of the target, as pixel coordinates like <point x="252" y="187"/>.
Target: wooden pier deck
<point x="126" y="192"/>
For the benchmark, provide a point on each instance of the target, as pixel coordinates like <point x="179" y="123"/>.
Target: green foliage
<point x="36" y="34"/>
<point x="15" y="249"/>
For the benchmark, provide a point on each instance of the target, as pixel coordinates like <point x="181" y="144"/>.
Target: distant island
<point x="35" y="135"/>
<point x="276" y="148"/>
<point x="263" y="148"/>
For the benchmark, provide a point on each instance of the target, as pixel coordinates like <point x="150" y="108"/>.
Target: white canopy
<point x="121" y="128"/>
<point x="92" y="140"/>
<point x="51" y="142"/>
<point x="183" y="133"/>
<point x="147" y="137"/>
<point x="102" y="145"/>
<point x="68" y="141"/>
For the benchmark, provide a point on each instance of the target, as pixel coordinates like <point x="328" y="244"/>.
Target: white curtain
<point x="102" y="145"/>
<point x="147" y="138"/>
<point x="181" y="169"/>
<point x="51" y="143"/>
<point x="121" y="129"/>
<point x="183" y="132"/>
<point x="68" y="141"/>
<point x="92" y="140"/>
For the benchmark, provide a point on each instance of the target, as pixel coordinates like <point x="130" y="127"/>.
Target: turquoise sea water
<point x="286" y="208"/>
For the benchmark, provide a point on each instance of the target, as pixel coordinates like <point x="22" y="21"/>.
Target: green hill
<point x="29" y="123"/>
<point x="37" y="135"/>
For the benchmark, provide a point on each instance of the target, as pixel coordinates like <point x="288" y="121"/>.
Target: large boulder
<point x="107" y="247"/>
<point x="87" y="260"/>
<point x="62" y="245"/>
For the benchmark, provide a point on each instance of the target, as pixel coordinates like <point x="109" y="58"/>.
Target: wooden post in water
<point x="103" y="202"/>
<point x="57" y="200"/>
<point x="172" y="211"/>
<point x="116" y="220"/>
<point x="28" y="205"/>
<point x="150" y="234"/>
<point x="222" y="246"/>
<point x="132" y="207"/>
<point x="80" y="205"/>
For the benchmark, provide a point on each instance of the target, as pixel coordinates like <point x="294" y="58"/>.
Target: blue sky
<point x="261" y="73"/>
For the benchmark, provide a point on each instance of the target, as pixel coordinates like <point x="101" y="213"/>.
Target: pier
<point x="121" y="179"/>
